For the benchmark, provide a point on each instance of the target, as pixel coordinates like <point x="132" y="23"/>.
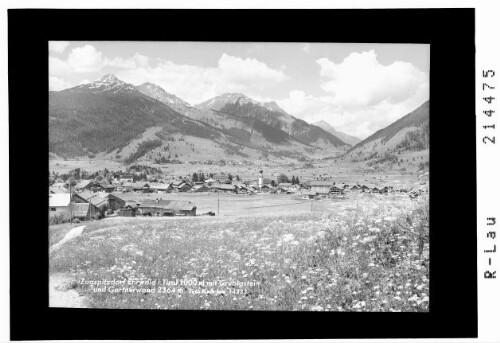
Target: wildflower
<point x="316" y="308"/>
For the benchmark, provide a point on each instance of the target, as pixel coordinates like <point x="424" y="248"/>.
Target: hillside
<point x="117" y="120"/>
<point x="351" y="140"/>
<point x="158" y="93"/>
<point x="269" y="118"/>
<point x="107" y="114"/>
<point x="405" y="140"/>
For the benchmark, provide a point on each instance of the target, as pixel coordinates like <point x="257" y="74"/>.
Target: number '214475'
<point x="487" y="89"/>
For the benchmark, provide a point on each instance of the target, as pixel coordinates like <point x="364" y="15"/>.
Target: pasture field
<point x="368" y="253"/>
<point x="264" y="204"/>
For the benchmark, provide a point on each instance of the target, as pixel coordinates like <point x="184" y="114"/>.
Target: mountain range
<point x="407" y="135"/>
<point x="113" y="118"/>
<point x="118" y="120"/>
<point x="351" y="140"/>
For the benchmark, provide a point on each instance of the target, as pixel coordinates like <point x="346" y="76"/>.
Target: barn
<point x="159" y="207"/>
<point x="81" y="211"/>
<point x="307" y="194"/>
<point x="266" y="188"/>
<point x="221" y="178"/>
<point x="84" y="185"/>
<point x="364" y="188"/>
<point x="127" y="211"/>
<point x="183" y="187"/>
<point x="337" y="190"/>
<point x="114" y="202"/>
<point x="99" y="203"/>
<point x="159" y="187"/>
<point x="223" y="188"/>
<point x="200" y="189"/>
<point x="241" y="188"/>
<point x="108" y="188"/>
<point x="321" y="186"/>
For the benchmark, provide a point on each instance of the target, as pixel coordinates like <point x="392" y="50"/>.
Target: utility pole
<point x="218" y="203"/>
<point x="70" y="206"/>
<point x="311" y="205"/>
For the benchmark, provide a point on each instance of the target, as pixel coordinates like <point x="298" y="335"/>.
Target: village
<point x="123" y="194"/>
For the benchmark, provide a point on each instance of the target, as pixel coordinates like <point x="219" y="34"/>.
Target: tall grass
<point x="370" y="258"/>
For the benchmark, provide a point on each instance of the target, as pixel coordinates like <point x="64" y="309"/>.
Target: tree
<point x="293" y="180"/>
<point x="195" y="177"/>
<point x="230" y="177"/>
<point x="273" y="183"/>
<point x="71" y="181"/>
<point x="297" y="180"/>
<point x="282" y="178"/>
<point x="238" y="178"/>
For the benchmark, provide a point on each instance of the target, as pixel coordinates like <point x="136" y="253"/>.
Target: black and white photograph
<point x="246" y="176"/>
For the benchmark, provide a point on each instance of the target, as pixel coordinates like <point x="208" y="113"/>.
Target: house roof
<point x="86" y="194"/>
<point x="58" y="189"/>
<point x="224" y="186"/>
<point x="159" y="185"/>
<point x="321" y="183"/>
<point x="131" y="203"/>
<point x="195" y="188"/>
<point x="112" y="195"/>
<point x="59" y="200"/>
<point x="93" y="198"/>
<point x="128" y="207"/>
<point x="169" y="204"/>
<point x="83" y="184"/>
<point x="285" y="184"/>
<point x="80" y="209"/>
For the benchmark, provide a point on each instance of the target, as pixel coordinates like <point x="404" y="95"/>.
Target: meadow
<point x="365" y="254"/>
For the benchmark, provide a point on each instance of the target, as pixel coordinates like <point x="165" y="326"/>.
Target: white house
<point x="58" y="203"/>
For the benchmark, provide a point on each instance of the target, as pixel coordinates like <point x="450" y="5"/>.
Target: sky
<point x="355" y="87"/>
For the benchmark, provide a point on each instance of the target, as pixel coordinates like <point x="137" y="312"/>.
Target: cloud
<point x="58" y="83"/>
<point x="249" y="70"/>
<point x="360" y="121"/>
<point x="196" y="84"/>
<point x="58" y="46"/>
<point x="136" y="61"/>
<point x="360" y="80"/>
<point x="58" y="67"/>
<point x="361" y="95"/>
<point x="306" y="47"/>
<point x="85" y="59"/>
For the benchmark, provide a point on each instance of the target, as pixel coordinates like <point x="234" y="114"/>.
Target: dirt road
<point x="61" y="287"/>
